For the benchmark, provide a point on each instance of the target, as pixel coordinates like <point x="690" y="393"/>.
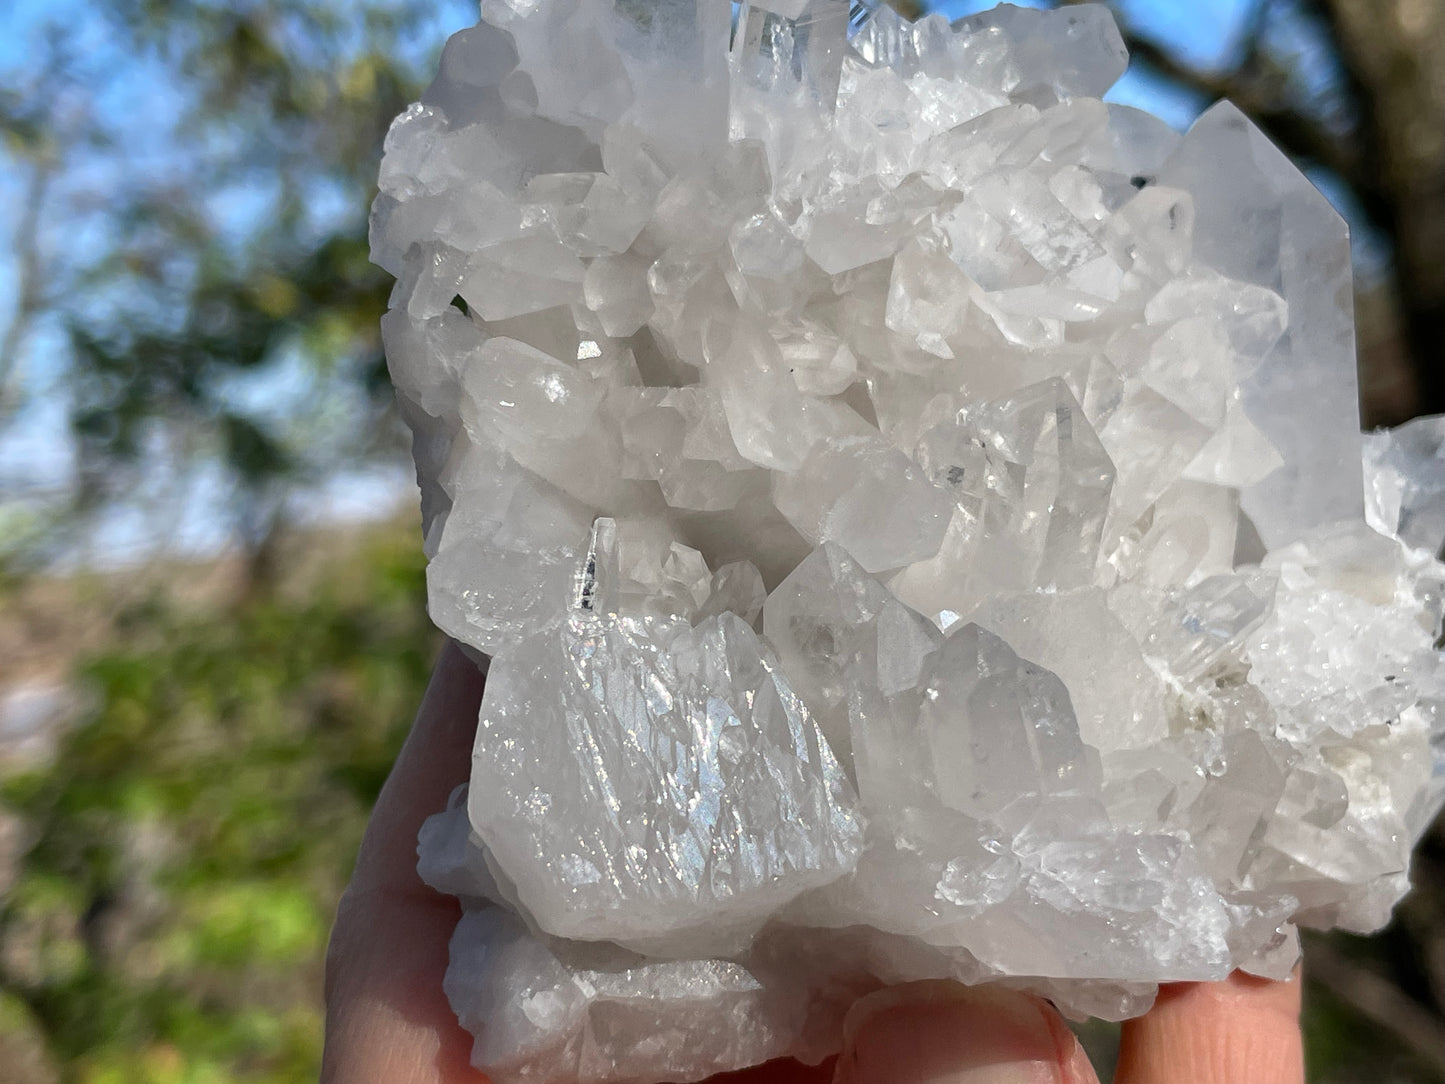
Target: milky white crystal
<point x="914" y="510"/>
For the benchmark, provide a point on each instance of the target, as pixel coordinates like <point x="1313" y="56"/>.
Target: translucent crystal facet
<point x="648" y="783"/>
<point x="913" y="508"/>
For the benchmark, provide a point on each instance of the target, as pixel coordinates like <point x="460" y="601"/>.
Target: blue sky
<point x="34" y="452"/>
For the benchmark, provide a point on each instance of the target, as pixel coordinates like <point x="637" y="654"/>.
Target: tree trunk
<point x="1394" y="52"/>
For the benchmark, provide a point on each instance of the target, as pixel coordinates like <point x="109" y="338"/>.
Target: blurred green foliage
<point x="192" y="836"/>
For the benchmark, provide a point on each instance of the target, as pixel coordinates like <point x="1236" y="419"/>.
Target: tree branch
<point x="1252" y="53"/>
<point x="30" y="293"/>
<point x="1378" y="1001"/>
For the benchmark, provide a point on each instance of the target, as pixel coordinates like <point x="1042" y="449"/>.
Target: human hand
<point x="388" y="1022"/>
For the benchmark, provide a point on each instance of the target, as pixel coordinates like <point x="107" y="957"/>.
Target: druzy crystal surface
<point x="915" y="513"/>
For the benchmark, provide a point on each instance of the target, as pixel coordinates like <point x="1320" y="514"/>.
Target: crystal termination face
<point x="916" y="514"/>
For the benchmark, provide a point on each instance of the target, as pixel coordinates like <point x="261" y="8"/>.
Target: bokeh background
<point x="212" y="634"/>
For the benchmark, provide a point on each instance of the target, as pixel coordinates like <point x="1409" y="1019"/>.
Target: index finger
<point x="434" y="759"/>
<point x="1241" y="1030"/>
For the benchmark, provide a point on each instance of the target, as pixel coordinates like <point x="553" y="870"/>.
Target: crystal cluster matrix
<point x="917" y="517"/>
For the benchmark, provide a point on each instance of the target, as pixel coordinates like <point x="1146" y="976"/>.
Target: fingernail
<point x="944" y="1033"/>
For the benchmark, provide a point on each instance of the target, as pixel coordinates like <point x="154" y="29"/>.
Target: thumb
<point x="944" y="1033"/>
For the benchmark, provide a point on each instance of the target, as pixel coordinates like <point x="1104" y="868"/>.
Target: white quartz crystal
<point x="914" y="512"/>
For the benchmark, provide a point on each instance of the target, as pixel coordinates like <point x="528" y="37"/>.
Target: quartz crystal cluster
<point x="914" y="512"/>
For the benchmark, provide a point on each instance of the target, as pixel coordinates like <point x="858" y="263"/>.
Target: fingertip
<point x="435" y="757"/>
<point x="944" y="1033"/>
<point x="455" y="688"/>
<point x="1243" y="1028"/>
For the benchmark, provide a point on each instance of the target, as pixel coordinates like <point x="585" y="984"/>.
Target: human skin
<point x="388" y="1022"/>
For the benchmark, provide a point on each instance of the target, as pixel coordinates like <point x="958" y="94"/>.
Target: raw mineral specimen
<point x="915" y="513"/>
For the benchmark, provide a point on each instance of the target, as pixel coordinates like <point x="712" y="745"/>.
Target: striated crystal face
<point x="914" y="510"/>
<point x="655" y="783"/>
